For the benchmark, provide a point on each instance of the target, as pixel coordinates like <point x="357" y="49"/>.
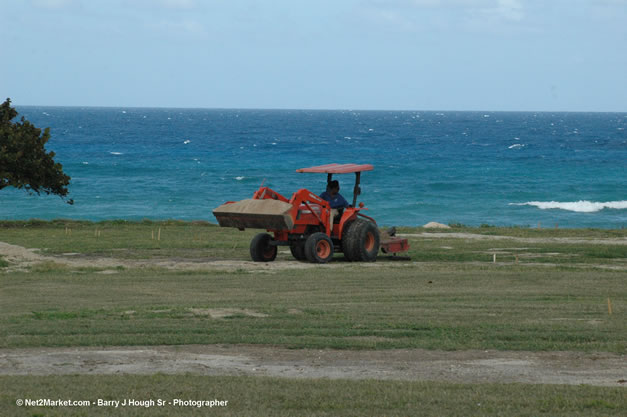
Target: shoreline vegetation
<point x="491" y="300"/>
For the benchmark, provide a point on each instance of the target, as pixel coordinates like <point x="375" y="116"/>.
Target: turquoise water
<point x="452" y="167"/>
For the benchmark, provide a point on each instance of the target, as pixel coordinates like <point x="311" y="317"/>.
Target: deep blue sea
<point x="473" y="168"/>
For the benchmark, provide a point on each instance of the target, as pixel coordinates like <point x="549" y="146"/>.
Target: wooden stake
<point x="152" y="235"/>
<point x="516" y="258"/>
<point x="159" y="234"/>
<point x="609" y="306"/>
<point x="494" y="258"/>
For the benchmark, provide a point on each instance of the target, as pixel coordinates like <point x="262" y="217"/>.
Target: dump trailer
<point x="308" y="225"/>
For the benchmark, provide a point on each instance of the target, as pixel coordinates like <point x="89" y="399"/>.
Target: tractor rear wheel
<point x="361" y="241"/>
<point x="261" y="250"/>
<point x="298" y="250"/>
<point x="319" y="248"/>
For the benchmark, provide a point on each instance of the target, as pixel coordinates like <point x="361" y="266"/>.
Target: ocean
<point x="472" y="168"/>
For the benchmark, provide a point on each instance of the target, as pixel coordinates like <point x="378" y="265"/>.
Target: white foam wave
<point x="239" y="178"/>
<point x="186" y="141"/>
<point x="581" y="206"/>
<point x="516" y="146"/>
<point x="116" y="153"/>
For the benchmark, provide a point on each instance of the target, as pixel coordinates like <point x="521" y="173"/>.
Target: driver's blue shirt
<point x="335" y="202"/>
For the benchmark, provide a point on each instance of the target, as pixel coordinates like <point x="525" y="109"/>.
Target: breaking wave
<point x="581" y="206"/>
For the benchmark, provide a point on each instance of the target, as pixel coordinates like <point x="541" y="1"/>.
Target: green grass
<point x="131" y="240"/>
<point x="201" y="240"/>
<point x="450" y="297"/>
<point x="429" y="249"/>
<point x="260" y="396"/>
<point x="351" y="307"/>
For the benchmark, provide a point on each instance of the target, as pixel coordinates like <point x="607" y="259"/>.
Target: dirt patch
<point x="602" y="369"/>
<point x="571" y="240"/>
<point x="220" y="313"/>
<point x="14" y="254"/>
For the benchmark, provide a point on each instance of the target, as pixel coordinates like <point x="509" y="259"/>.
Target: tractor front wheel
<point x="261" y="250"/>
<point x="319" y="248"/>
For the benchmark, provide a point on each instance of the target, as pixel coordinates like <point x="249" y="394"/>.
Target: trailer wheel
<point x="261" y="250"/>
<point x="319" y="248"/>
<point x="361" y="241"/>
<point x="298" y="250"/>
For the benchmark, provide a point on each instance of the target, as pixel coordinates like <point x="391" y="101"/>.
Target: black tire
<point x="261" y="250"/>
<point x="346" y="249"/>
<point x="361" y="242"/>
<point x="319" y="248"/>
<point x="298" y="250"/>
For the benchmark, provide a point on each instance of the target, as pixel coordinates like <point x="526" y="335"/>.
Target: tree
<point x="24" y="162"/>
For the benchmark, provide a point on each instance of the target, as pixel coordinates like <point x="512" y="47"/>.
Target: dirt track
<point x="21" y="258"/>
<point x="569" y="240"/>
<point x="602" y="369"/>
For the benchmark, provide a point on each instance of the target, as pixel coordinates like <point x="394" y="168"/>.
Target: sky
<point x="496" y="55"/>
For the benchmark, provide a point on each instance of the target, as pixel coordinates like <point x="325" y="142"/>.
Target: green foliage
<point x="24" y="162"/>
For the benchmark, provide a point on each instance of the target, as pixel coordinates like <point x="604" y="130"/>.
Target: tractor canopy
<point x="337" y="168"/>
<point x="331" y="169"/>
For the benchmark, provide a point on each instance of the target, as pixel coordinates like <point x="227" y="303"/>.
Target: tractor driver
<point x="333" y="196"/>
<point x="335" y="199"/>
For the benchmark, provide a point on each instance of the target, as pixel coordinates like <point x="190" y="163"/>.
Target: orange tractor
<point x="307" y="224"/>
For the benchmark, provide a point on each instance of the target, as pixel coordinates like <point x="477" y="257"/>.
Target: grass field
<point x="258" y="396"/>
<point x="550" y="290"/>
<point x="358" y="307"/>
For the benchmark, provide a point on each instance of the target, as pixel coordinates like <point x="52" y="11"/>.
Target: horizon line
<point x="313" y="109"/>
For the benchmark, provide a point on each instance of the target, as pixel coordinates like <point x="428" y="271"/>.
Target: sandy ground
<point x="602" y="369"/>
